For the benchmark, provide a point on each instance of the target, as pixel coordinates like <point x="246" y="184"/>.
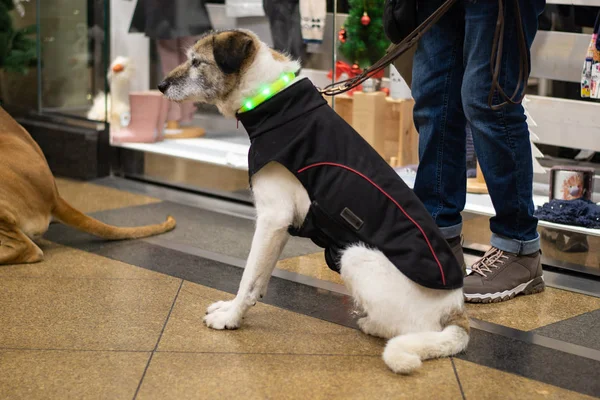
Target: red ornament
<point x="386" y="91"/>
<point x="355" y="69"/>
<point x="365" y="20"/>
<point x="342" y="35"/>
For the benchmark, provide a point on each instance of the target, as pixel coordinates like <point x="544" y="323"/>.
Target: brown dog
<point x="29" y="198"/>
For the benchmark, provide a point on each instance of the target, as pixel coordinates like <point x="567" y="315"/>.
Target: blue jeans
<point x="451" y="82"/>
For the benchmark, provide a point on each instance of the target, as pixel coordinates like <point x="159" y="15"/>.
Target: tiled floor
<point x="123" y="320"/>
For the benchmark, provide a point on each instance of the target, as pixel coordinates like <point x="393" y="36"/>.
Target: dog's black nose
<point x="164" y="85"/>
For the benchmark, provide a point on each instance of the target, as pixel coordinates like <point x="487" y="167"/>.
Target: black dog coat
<point x="356" y="197"/>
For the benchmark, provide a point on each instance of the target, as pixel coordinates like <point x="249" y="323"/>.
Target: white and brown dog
<point x="422" y="320"/>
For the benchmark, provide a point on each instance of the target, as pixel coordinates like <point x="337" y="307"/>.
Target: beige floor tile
<point x="92" y="314"/>
<point x="66" y="262"/>
<point x="531" y="312"/>
<point x="32" y="375"/>
<point x="313" y="265"/>
<point x="261" y="376"/>
<point x="485" y="383"/>
<point x="265" y="329"/>
<point x="89" y="198"/>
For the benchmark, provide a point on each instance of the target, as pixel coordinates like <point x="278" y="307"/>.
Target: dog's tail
<point x="68" y="215"/>
<point x="403" y="354"/>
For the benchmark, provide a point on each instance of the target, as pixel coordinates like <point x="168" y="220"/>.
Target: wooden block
<point x="392" y="120"/>
<point x="477" y="184"/>
<point x="342" y="106"/>
<point x="368" y="118"/>
<point x="407" y="136"/>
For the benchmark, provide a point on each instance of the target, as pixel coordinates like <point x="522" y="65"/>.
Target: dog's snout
<point x="164" y="85"/>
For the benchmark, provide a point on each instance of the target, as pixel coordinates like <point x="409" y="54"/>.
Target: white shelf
<point x="595" y="3"/>
<point x="482" y="204"/>
<point x="211" y="151"/>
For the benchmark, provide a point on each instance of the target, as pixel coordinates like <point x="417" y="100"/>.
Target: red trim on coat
<point x="389" y="197"/>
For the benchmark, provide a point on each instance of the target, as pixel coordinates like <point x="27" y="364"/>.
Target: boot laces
<point x="490" y="260"/>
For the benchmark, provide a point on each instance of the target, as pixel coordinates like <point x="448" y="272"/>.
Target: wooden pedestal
<point x="385" y="123"/>
<point x="400" y="121"/>
<point x="477" y="184"/>
<point x="368" y="118"/>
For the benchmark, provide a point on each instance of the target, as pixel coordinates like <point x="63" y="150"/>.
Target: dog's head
<point x="213" y="69"/>
<point x="224" y="66"/>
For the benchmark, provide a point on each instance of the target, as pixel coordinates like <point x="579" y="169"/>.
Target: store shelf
<point x="206" y="150"/>
<point x="594" y="3"/>
<point x="235" y="155"/>
<point x="482" y="204"/>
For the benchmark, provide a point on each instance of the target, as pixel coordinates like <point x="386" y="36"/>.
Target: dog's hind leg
<point x="369" y="276"/>
<point x="421" y="323"/>
<point x="16" y="247"/>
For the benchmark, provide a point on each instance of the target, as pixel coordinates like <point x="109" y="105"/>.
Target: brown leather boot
<point x="500" y="276"/>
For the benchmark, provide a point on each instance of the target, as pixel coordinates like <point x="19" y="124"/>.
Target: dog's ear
<point x="231" y="49"/>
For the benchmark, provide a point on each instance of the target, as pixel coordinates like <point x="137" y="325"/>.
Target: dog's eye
<point x="196" y="62"/>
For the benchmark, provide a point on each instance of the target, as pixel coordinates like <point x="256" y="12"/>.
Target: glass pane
<point x="193" y="145"/>
<point x="73" y="36"/>
<point x="18" y="74"/>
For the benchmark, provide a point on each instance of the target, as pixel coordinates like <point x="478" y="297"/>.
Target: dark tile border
<point x="535" y="362"/>
<point x="582" y="330"/>
<point x="301" y="298"/>
<point x="491" y="345"/>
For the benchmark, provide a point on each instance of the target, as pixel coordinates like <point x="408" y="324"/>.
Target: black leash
<point x="496" y="59"/>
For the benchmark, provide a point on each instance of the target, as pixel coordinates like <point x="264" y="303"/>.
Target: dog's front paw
<point x="219" y="306"/>
<point x="222" y="320"/>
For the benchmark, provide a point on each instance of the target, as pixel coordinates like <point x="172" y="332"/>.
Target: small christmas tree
<point x="17" y="48"/>
<point x="363" y="41"/>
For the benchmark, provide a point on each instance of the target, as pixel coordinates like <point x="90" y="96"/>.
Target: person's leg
<point x="168" y="52"/>
<point x="440" y="121"/>
<point x="503" y="149"/>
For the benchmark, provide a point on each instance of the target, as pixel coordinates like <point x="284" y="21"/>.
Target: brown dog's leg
<point x="16" y="247"/>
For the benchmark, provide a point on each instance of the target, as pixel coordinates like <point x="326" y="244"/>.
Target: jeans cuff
<point x="449" y="232"/>
<point x="520" y="247"/>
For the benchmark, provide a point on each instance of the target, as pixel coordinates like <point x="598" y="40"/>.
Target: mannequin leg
<point x="169" y="59"/>
<point x="187" y="108"/>
<point x="172" y="52"/>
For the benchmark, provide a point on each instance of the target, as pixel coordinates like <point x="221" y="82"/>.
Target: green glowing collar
<point x="267" y="92"/>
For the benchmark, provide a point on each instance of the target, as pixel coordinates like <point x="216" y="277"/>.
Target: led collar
<point x="267" y="92"/>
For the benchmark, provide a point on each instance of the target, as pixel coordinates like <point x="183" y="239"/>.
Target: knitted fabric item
<point x="571" y="212"/>
<point x="312" y="15"/>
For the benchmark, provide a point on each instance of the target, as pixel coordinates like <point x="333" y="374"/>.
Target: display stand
<point x="187" y="132"/>
<point x="406" y="133"/>
<point x="368" y="118"/>
<point x="477" y="185"/>
<point x="385" y="123"/>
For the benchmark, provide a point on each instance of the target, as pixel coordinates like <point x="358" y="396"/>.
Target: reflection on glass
<point x="72" y="36"/>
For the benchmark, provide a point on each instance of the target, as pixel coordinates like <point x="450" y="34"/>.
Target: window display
<point x="17" y="54"/>
<point x="175" y="26"/>
<point x="109" y="55"/>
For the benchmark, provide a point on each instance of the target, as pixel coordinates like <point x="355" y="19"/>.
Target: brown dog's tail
<point x="68" y="215"/>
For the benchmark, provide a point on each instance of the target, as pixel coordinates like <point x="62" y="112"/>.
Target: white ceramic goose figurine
<point x="119" y="77"/>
